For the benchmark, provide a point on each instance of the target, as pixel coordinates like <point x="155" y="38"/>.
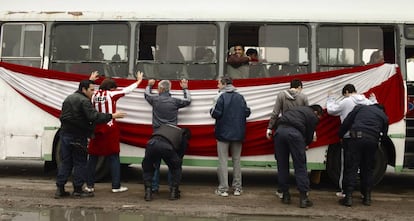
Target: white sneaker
<point x="237" y="192"/>
<point x="340" y="194"/>
<point x="279" y="193"/>
<point x="121" y="189"/>
<point x="89" y="189"/>
<point x="221" y="193"/>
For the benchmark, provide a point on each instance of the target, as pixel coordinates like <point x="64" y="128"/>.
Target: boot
<point x="148" y="193"/>
<point x="304" y="201"/>
<point x="78" y="192"/>
<point x="174" y="193"/>
<point x="347" y="200"/>
<point x="286" y="197"/>
<point x="60" y="192"/>
<point x="366" y="200"/>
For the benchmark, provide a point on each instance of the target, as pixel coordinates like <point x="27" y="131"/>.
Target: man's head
<point x="251" y="52"/>
<point x="239" y="50"/>
<point x="108" y="84"/>
<point x="317" y="109"/>
<point x="164" y="86"/>
<point x="225" y="80"/>
<point x="296" y="83"/>
<point x="87" y="87"/>
<point x="348" y="90"/>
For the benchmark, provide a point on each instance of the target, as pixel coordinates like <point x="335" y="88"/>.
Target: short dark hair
<point x="317" y="108"/>
<point x="108" y="84"/>
<point x="350" y="88"/>
<point x="251" y="51"/>
<point x="226" y="80"/>
<point x="295" y="83"/>
<point x="85" y="84"/>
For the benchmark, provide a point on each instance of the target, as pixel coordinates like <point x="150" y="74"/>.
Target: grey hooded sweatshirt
<point x="284" y="101"/>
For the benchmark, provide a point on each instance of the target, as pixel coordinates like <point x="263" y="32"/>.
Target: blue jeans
<point x="115" y="167"/>
<point x="73" y="155"/>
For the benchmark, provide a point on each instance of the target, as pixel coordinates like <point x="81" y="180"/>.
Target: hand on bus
<point x="94" y="76"/>
<point x="139" y="76"/>
<point x="118" y="115"/>
<point x="151" y="82"/>
<point x="184" y="83"/>
<point x="269" y="134"/>
<point x="372" y="96"/>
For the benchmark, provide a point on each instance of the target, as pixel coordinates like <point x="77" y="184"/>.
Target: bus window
<point x="347" y="46"/>
<point x="175" y="51"/>
<point x="22" y="43"/>
<point x="283" y="49"/>
<point x="91" y="47"/>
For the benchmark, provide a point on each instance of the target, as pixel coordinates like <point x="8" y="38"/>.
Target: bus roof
<point x="348" y="11"/>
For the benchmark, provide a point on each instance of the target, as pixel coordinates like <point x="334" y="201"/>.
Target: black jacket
<point x="369" y="119"/>
<point x="78" y="117"/>
<point x="303" y="119"/>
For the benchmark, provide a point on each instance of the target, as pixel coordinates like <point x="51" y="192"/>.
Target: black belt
<point x="361" y="134"/>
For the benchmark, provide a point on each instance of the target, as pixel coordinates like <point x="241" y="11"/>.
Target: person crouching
<point x="168" y="143"/>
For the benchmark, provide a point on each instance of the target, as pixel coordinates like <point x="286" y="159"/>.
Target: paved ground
<point x="24" y="185"/>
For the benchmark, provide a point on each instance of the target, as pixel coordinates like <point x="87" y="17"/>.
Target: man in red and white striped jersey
<point x="106" y="140"/>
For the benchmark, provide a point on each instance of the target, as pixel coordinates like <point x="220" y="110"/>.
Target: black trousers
<point x="158" y="148"/>
<point x="359" y="153"/>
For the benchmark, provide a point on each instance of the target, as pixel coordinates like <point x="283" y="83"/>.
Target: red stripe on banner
<point x="193" y="84"/>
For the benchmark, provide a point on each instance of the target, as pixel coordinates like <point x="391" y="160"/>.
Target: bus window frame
<point x="18" y="59"/>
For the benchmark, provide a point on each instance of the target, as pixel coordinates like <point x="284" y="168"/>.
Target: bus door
<point x="409" y="65"/>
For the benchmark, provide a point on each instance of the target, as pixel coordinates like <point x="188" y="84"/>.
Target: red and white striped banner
<point x="47" y="90"/>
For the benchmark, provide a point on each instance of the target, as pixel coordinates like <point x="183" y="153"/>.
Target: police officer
<point x="294" y="133"/>
<point x="366" y="125"/>
<point x="167" y="143"/>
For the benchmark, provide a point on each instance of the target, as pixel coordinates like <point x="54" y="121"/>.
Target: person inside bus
<point x="106" y="140"/>
<point x="342" y="108"/>
<point x="164" y="111"/>
<point x="295" y="131"/>
<point x="366" y="125"/>
<point x="202" y="67"/>
<point x="78" y="119"/>
<point x="238" y="62"/>
<point x="376" y="57"/>
<point x="256" y="69"/>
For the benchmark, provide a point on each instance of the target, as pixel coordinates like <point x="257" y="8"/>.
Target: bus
<point x="47" y="47"/>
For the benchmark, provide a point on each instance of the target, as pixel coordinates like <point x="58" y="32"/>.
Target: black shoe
<point x="148" y="194"/>
<point x="81" y="194"/>
<point x="60" y="193"/>
<point x="286" y="198"/>
<point x="346" y="201"/>
<point x="366" y="200"/>
<point x="175" y="193"/>
<point x="304" y="201"/>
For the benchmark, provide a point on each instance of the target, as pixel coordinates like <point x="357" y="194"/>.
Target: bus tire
<point x="101" y="171"/>
<point x="333" y="163"/>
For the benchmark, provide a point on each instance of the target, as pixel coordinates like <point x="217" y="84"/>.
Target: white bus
<point x="47" y="47"/>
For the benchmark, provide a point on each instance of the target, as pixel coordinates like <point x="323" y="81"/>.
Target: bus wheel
<point x="333" y="163"/>
<point x="101" y="171"/>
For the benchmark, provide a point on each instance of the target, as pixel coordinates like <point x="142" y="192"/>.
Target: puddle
<point x="81" y="214"/>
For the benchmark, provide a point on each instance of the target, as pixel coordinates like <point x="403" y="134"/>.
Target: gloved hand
<point x="269" y="134"/>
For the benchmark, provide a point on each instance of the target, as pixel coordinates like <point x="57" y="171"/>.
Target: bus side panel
<point x="22" y="126"/>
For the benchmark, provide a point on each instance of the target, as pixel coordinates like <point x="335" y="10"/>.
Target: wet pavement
<point x="78" y="214"/>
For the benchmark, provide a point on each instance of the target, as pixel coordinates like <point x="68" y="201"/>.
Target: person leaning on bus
<point x="78" y="119"/>
<point x="366" y="124"/>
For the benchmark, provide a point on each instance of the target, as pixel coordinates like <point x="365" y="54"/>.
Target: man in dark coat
<point x="294" y="133"/>
<point x="366" y="126"/>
